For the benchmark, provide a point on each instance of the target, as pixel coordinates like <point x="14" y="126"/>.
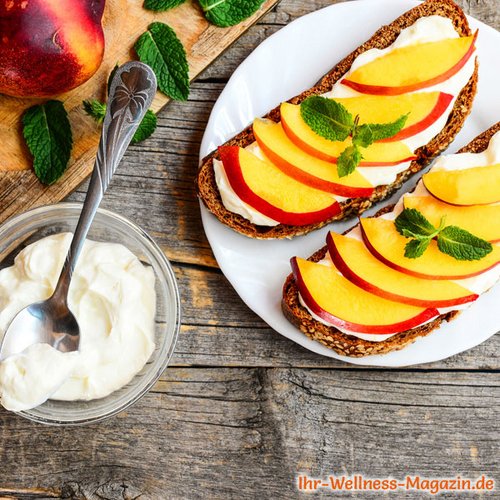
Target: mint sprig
<point x="162" y="5"/>
<point x="451" y="240"/>
<point x="224" y="13"/>
<point x="331" y="120"/>
<point x="47" y="132"/>
<point x="97" y="110"/>
<point x="160" y="48"/>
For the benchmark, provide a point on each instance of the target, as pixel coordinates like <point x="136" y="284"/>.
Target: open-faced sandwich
<point x="380" y="115"/>
<point x="397" y="276"/>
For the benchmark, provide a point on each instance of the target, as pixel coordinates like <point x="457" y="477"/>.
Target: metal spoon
<point x="51" y="322"/>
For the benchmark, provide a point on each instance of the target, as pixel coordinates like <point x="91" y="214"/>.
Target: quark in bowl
<point x="124" y="294"/>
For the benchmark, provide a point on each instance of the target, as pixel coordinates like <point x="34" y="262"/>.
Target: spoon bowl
<point x="50" y="322"/>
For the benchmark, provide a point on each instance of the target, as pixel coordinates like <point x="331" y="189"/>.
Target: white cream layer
<point x="113" y="297"/>
<point x="477" y="284"/>
<point x="426" y="29"/>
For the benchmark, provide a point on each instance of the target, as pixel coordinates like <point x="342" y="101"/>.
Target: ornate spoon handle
<point x="130" y="95"/>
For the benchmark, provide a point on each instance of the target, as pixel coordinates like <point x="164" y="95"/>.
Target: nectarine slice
<point x="470" y="186"/>
<point x="271" y="192"/>
<point x="303" y="167"/>
<point x="413" y="67"/>
<point x="481" y="220"/>
<point x="376" y="155"/>
<point x="385" y="243"/>
<point x="342" y="304"/>
<point x="359" y="266"/>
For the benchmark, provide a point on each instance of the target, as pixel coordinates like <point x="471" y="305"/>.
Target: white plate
<point x="294" y="59"/>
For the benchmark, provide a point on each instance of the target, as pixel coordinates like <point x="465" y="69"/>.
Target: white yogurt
<point x="426" y="29"/>
<point x="113" y="297"/>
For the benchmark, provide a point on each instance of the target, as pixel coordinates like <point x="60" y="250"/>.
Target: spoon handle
<point x="130" y="95"/>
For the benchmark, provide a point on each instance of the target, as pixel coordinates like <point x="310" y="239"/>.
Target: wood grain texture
<point x="242" y="410"/>
<point x="246" y="433"/>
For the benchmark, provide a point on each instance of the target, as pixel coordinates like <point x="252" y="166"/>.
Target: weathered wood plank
<point x="238" y="346"/>
<point x="244" y="433"/>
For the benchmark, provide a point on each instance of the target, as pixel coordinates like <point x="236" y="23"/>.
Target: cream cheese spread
<point x="113" y="297"/>
<point x="478" y="284"/>
<point x="426" y="29"/>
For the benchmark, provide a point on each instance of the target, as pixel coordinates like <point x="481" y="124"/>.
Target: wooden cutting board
<point x="124" y="21"/>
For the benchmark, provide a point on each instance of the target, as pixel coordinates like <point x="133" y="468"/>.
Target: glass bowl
<point x="21" y="230"/>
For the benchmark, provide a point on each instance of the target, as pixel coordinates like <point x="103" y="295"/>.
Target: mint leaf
<point x="385" y="130"/>
<point x="348" y="160"/>
<point x="363" y="136"/>
<point x="95" y="109"/>
<point x="161" y="5"/>
<point x="412" y="224"/>
<point x="326" y="117"/>
<point x="146" y="127"/>
<point x="163" y="51"/>
<point x="226" y="13"/>
<point x="462" y="245"/>
<point x="47" y="132"/>
<point x="416" y="248"/>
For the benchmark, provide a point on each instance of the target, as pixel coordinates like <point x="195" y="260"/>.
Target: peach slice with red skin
<point x="266" y="189"/>
<point x="413" y="67"/>
<point x="305" y="168"/>
<point x="359" y="266"/>
<point x="482" y="221"/>
<point x="378" y="154"/>
<point x="386" y="244"/>
<point x="344" y="305"/>
<point x="469" y="186"/>
<point x="423" y="109"/>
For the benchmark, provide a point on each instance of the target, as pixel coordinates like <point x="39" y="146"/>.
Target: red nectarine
<point x="48" y="47"/>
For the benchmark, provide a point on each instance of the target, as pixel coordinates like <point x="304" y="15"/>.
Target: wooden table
<point x="241" y="410"/>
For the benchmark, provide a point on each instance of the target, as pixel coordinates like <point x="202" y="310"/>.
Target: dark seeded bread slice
<point x="207" y="187"/>
<point x="348" y="345"/>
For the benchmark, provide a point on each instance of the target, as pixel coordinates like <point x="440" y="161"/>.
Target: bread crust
<point x="349" y="345"/>
<point x="206" y="185"/>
